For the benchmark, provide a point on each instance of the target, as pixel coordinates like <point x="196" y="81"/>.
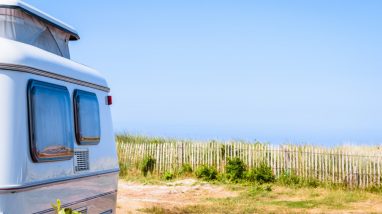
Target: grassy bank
<point x="351" y="167"/>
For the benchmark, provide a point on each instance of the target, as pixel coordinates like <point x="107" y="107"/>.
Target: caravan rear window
<point x="50" y="124"/>
<point x="87" y="118"/>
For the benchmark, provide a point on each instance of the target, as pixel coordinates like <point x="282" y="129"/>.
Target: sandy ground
<point x="135" y="196"/>
<point x="132" y="197"/>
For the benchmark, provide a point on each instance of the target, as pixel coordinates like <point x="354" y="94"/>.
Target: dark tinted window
<point x="88" y="130"/>
<point x="50" y="124"/>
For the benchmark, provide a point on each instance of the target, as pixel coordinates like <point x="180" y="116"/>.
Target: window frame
<point x="80" y="142"/>
<point x="32" y="143"/>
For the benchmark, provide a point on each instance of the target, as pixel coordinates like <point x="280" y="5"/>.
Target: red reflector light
<point x="109" y="100"/>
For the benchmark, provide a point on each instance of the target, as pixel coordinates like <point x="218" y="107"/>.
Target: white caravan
<point x="56" y="135"/>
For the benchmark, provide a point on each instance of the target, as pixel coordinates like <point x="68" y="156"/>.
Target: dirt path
<point x="181" y="196"/>
<point x="134" y="196"/>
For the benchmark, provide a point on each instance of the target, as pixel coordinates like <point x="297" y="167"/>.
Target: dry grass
<point x="192" y="196"/>
<point x="286" y="200"/>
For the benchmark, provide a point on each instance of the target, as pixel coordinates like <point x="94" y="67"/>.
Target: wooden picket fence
<point x="354" y="167"/>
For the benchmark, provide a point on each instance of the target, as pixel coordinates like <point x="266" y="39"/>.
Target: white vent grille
<point x="81" y="160"/>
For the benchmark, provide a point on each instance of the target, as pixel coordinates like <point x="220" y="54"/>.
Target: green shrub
<point x="168" y="176"/>
<point x="123" y="169"/>
<point x="58" y="210"/>
<point x="185" y="169"/>
<point x="289" y="179"/>
<point x="235" y="169"/>
<point x="268" y="188"/>
<point x="258" y="190"/>
<point x="375" y="189"/>
<point x="255" y="191"/>
<point x="206" y="173"/>
<point x="262" y="174"/>
<point x="250" y="175"/>
<point x="147" y="165"/>
<point x="313" y="182"/>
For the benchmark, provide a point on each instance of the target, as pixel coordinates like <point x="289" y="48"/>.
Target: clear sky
<point x="278" y="71"/>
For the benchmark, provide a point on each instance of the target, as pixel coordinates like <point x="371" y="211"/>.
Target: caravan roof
<point x="24" y="23"/>
<point x="37" y="43"/>
<point x="17" y="4"/>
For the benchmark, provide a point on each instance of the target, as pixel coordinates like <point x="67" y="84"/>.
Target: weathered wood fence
<point x="354" y="167"/>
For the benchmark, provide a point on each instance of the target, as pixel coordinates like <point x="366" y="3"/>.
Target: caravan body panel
<point x="30" y="187"/>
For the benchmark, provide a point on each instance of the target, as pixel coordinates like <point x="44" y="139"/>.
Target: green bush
<point x="123" y="169"/>
<point x="312" y="182"/>
<point x="256" y="190"/>
<point x="168" y="176"/>
<point x="147" y="165"/>
<point x="235" y="169"/>
<point x="375" y="189"/>
<point x="262" y="174"/>
<point x="185" y="169"/>
<point x="206" y="173"/>
<point x="58" y="210"/>
<point x="268" y="188"/>
<point x="289" y="179"/>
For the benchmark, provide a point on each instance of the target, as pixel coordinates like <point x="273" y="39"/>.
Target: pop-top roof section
<point x="17" y="4"/>
<point x="23" y="23"/>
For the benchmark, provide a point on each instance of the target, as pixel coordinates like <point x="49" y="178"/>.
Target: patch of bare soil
<point x="135" y="196"/>
<point x="371" y="206"/>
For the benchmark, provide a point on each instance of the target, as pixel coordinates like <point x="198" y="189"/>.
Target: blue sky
<point x="278" y="71"/>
